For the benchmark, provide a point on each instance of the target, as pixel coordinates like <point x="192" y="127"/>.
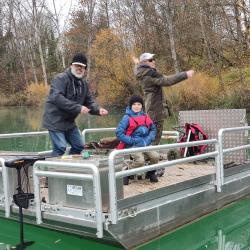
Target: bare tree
<point x="167" y="9"/>
<point x="61" y="43"/>
<point x="38" y="38"/>
<point x="89" y="7"/>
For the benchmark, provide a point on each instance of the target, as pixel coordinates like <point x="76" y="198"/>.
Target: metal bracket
<point x="128" y="212"/>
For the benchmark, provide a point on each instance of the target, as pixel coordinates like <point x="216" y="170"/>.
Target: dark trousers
<point x="60" y="139"/>
<point x="159" y="127"/>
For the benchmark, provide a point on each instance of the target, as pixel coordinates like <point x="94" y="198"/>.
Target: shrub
<point x="199" y="92"/>
<point x="17" y="99"/>
<point x="4" y="100"/>
<point x="36" y="93"/>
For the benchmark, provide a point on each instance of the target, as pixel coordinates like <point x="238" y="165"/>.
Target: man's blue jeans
<point x="61" y="139"/>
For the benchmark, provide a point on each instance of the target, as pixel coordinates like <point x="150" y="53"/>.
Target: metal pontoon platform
<point x="85" y="196"/>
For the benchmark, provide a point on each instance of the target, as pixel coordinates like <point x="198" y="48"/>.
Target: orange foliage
<point x="200" y="91"/>
<point x="113" y="67"/>
<point x="36" y="93"/>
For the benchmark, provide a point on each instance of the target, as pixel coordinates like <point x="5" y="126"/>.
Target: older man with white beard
<point x="69" y="96"/>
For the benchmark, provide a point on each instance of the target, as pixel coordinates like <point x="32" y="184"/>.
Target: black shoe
<point x="139" y="177"/>
<point x="152" y="176"/>
<point x="44" y="200"/>
<point x="125" y="180"/>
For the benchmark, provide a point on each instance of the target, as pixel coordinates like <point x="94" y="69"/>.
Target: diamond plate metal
<point x="213" y="120"/>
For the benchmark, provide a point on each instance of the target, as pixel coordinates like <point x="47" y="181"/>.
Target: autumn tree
<point x="112" y="68"/>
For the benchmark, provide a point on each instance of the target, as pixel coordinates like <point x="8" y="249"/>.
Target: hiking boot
<point x="152" y="176"/>
<point x="125" y="180"/>
<point x="139" y="177"/>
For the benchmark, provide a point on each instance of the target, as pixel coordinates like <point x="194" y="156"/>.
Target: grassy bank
<point x="207" y="92"/>
<point x="33" y="95"/>
<point x="203" y="91"/>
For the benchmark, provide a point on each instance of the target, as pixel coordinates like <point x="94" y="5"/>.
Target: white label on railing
<point x="74" y="190"/>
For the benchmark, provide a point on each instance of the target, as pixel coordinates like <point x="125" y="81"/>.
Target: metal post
<point x="218" y="168"/>
<point x="5" y="178"/>
<point x="188" y="138"/>
<point x="221" y="159"/>
<point x="20" y="214"/>
<point x="98" y="202"/>
<point x="37" y="196"/>
<point x="96" y="186"/>
<point x="112" y="188"/>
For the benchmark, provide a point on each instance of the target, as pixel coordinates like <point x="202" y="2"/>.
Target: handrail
<point x="96" y="186"/>
<point x="4" y="170"/>
<point x="90" y="130"/>
<point x="173" y="134"/>
<point x="23" y="134"/>
<point x="221" y="132"/>
<point x="170" y="134"/>
<point x="5" y="178"/>
<point x="165" y="164"/>
<point x="112" y="174"/>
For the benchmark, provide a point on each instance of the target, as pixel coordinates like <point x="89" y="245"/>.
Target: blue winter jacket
<point x="141" y="137"/>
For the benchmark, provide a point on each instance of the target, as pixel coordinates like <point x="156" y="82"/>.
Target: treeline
<point x="210" y="36"/>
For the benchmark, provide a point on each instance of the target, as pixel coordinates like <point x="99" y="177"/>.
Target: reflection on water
<point x="23" y="119"/>
<point x="228" y="229"/>
<point x="46" y="239"/>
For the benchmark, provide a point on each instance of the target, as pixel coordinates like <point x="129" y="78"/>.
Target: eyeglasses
<point x="151" y="60"/>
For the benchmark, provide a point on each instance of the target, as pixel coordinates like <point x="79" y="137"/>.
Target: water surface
<point x="227" y="229"/>
<point x="26" y="119"/>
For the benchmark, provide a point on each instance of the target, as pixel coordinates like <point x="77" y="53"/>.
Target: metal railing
<point x="95" y="130"/>
<point x="217" y="154"/>
<point x="95" y="177"/>
<point x="5" y="178"/>
<point x="165" y="134"/>
<point x="170" y="135"/>
<point x="228" y="150"/>
<point x="113" y="175"/>
<point x="25" y="134"/>
<point x="4" y="170"/>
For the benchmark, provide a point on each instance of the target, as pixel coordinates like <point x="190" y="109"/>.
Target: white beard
<point x="73" y="71"/>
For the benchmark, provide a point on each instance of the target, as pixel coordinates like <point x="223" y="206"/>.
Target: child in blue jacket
<point x="136" y="129"/>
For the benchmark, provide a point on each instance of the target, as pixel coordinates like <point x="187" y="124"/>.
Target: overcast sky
<point x="63" y="7"/>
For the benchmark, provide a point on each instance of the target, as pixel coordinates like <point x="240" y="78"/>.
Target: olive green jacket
<point x="152" y="82"/>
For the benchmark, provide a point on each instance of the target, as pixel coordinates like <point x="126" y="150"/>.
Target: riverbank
<point x="203" y="91"/>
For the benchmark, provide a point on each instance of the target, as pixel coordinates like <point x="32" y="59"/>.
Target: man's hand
<point x="135" y="60"/>
<point x="103" y="111"/>
<point x="84" y="110"/>
<point x="190" y="73"/>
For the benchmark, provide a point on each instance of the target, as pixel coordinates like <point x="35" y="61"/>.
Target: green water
<point x="45" y="239"/>
<point x="228" y="229"/>
<point x="23" y="119"/>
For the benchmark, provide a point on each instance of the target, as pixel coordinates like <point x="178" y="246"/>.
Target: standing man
<point x="69" y="96"/>
<point x="152" y="82"/>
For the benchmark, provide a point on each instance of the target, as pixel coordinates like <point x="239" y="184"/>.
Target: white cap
<point x="146" y="56"/>
<point x="78" y="63"/>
